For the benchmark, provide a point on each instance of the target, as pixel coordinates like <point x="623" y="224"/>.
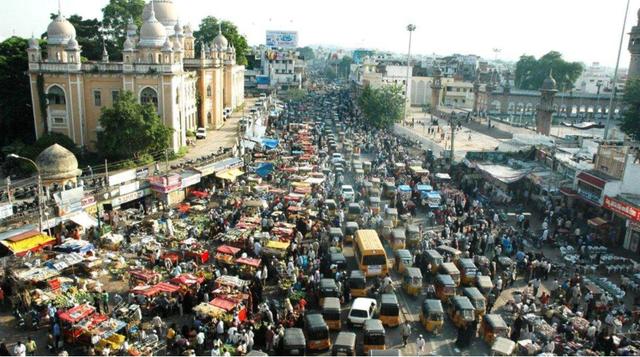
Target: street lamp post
<point x="410" y="28"/>
<point x="14" y="156"/>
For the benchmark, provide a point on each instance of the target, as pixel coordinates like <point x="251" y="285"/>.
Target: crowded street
<point x="324" y="237"/>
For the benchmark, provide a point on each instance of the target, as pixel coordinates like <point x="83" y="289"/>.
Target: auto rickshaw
<point x="412" y="281"/>
<point x="294" y="342"/>
<point x="434" y="259"/>
<point x="385" y="230"/>
<point x="331" y="206"/>
<point x="505" y="265"/>
<point x="461" y="311"/>
<point x="484" y="284"/>
<point x="398" y="238"/>
<point x="478" y="300"/>
<point x="503" y="347"/>
<point x="468" y="271"/>
<point x="357" y="284"/>
<point x="492" y="327"/>
<point x="392" y="215"/>
<point x="432" y="315"/>
<point x="374" y="204"/>
<point x="354" y="212"/>
<point x="413" y="236"/>
<point x="403" y="260"/>
<point x="317" y="332"/>
<point x="335" y="233"/>
<point x="328" y="288"/>
<point x="345" y="344"/>
<point x="389" y="190"/>
<point x="451" y="270"/>
<point x="331" y="313"/>
<point x="374" y="335"/>
<point x="446" y="250"/>
<point x="389" y="310"/>
<point x="366" y="166"/>
<point x="445" y="287"/>
<point x="350" y="231"/>
<point x="275" y="248"/>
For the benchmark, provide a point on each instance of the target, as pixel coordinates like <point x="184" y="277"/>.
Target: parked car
<point x="201" y="133"/>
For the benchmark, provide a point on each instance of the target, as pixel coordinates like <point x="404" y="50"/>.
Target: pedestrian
<point x="19" y="349"/>
<point x="406" y="332"/>
<point x="31" y="346"/>
<point x="420" y="343"/>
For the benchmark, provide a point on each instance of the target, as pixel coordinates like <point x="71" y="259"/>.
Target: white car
<point x="361" y="311"/>
<point x="347" y="192"/>
<point x="201" y="133"/>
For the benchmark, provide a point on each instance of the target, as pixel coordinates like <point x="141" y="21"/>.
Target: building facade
<point x="159" y="67"/>
<point x="634" y="50"/>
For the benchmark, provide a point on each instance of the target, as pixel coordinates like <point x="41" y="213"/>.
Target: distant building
<point x="595" y="79"/>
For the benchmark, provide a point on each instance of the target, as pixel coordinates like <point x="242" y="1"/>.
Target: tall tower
<point x="436" y="86"/>
<point x="506" y="93"/>
<point x="634" y="49"/>
<point x="545" y="108"/>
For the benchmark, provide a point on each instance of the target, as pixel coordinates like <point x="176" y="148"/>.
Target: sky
<point x="582" y="30"/>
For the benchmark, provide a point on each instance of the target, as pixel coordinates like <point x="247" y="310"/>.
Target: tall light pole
<point x="410" y="28"/>
<point x="14" y="156"/>
<point x="615" y="74"/>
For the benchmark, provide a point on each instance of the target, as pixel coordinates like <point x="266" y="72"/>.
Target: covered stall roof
<point x="502" y="173"/>
<point x="230" y="175"/>
<point x="27" y="241"/>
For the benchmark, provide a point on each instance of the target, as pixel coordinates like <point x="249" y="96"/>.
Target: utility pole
<point x="453" y="134"/>
<point x="410" y="28"/>
<point x="615" y="74"/>
<point x="106" y="172"/>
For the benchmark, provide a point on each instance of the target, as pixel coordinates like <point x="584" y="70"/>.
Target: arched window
<point x="159" y="58"/>
<point x="209" y="91"/>
<point x="56" y="96"/>
<point x="58" y="57"/>
<point x="150" y="58"/>
<point x="149" y="96"/>
<point x="126" y="59"/>
<point x="209" y="117"/>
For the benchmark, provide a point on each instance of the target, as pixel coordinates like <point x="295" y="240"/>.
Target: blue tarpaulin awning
<point x="404" y="188"/>
<point x="424" y="188"/>
<point x="264" y="169"/>
<point x="270" y="143"/>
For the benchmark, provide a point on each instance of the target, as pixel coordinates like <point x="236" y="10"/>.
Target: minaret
<point x="105" y="54"/>
<point x="436" y="86"/>
<point x="634" y="49"/>
<point x="545" y="108"/>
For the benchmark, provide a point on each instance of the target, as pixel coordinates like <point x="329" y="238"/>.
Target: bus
<point x="370" y="254"/>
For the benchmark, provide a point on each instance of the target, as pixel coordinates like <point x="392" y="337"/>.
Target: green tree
<point x="530" y="73"/>
<point x="344" y="67"/>
<point x="137" y="125"/>
<point x="16" y="111"/>
<point x="115" y="18"/>
<point x="307" y="53"/>
<point x="382" y="107"/>
<point x="631" y="117"/>
<point x="89" y="36"/>
<point x="209" y="30"/>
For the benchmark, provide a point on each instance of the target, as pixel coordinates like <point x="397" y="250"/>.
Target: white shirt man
<point x="20" y="349"/>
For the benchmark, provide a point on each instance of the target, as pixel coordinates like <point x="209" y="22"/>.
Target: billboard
<point x="264" y="80"/>
<point x="282" y="39"/>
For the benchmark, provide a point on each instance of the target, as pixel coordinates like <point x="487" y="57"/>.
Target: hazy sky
<point x="583" y="30"/>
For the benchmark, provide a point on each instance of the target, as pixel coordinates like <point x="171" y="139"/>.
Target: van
<point x="361" y="311"/>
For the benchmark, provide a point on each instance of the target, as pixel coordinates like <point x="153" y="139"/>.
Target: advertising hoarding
<point x="282" y="39"/>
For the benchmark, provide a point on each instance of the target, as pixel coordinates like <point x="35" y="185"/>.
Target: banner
<point x="121" y="177"/>
<point x="6" y="210"/>
<point x="282" y="39"/>
<point x="622" y="208"/>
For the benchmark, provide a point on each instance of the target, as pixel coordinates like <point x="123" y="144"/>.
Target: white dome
<point x="128" y="44"/>
<point x="165" y="11"/>
<point x="33" y="43"/>
<point x="167" y="46"/>
<point x="221" y="41"/>
<point x="152" y="32"/>
<point x="60" y="31"/>
<point x="73" y="44"/>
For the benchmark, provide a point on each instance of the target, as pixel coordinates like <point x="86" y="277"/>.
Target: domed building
<point x="159" y="66"/>
<point x="58" y="166"/>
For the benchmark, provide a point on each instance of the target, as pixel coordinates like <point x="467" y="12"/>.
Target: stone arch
<point x="495" y="106"/>
<point x="511" y="107"/>
<point x="56" y="95"/>
<point x="149" y="95"/>
<point x="529" y="108"/>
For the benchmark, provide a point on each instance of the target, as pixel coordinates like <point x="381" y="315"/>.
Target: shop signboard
<point x="122" y="177"/>
<point x="130" y="197"/>
<point x="622" y="208"/>
<point x="191" y="179"/>
<point x="225" y="164"/>
<point x="165" y="184"/>
<point x="69" y="196"/>
<point x="6" y="210"/>
<point x="129" y="187"/>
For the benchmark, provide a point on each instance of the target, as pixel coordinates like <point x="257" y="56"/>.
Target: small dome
<point x="128" y="44"/>
<point x="34" y="44"/>
<point x="549" y="83"/>
<point x="188" y="31"/>
<point x="152" y="32"/>
<point x="73" y="45"/>
<point x="165" y="12"/>
<point x="177" y="46"/>
<point x="60" y="31"/>
<point x="220" y="40"/>
<point x="178" y="29"/>
<point x="167" y="46"/>
<point x="131" y="26"/>
<point x="56" y="162"/>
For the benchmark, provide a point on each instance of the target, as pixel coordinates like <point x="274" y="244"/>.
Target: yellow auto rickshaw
<point x="391" y="214"/>
<point x="432" y="315"/>
<point x="468" y="271"/>
<point x="354" y="212"/>
<point x="385" y="230"/>
<point x="357" y="284"/>
<point x="389" y="190"/>
<point x="434" y="259"/>
<point x="366" y="166"/>
<point x="374" y="335"/>
<point x="275" y="248"/>
<point x="461" y="311"/>
<point x="335" y="234"/>
<point x="344" y="345"/>
<point x="451" y="270"/>
<point x="503" y="347"/>
<point x="492" y="327"/>
<point x="484" y="284"/>
<point x="446" y="250"/>
<point x="445" y="287"/>
<point x="389" y="310"/>
<point x="331" y="207"/>
<point x="350" y="231"/>
<point x="413" y="236"/>
<point x="403" y="260"/>
<point x="478" y="300"/>
<point x="398" y="238"/>
<point x="328" y="288"/>
<point x="317" y="332"/>
<point x="412" y="282"/>
<point x="374" y="204"/>
<point x="331" y="313"/>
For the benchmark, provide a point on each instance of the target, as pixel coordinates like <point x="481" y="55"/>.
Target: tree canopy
<point x="531" y="72"/>
<point x="307" y="53"/>
<point x="131" y="130"/>
<point x="631" y="117"/>
<point x="115" y="18"/>
<point x="209" y="30"/>
<point x="382" y="107"/>
<point x="16" y="111"/>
